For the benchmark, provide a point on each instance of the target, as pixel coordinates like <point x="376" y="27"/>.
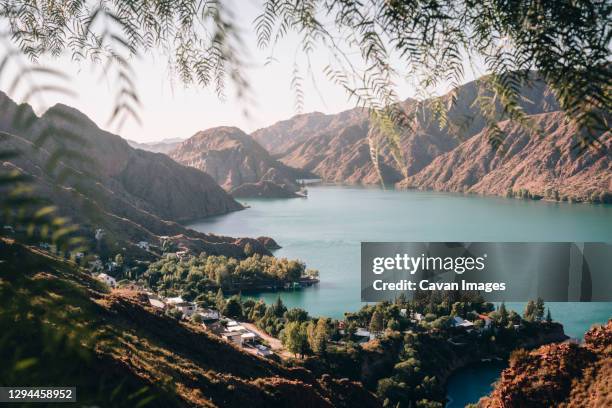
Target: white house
<point x="209" y="314"/>
<point x="236" y="329"/>
<point x="143" y="245"/>
<point x="403" y="312"/>
<point x="174" y="300"/>
<point x="109" y="280"/>
<point x="187" y="308"/>
<point x="460" y="322"/>
<point x="363" y="334"/>
<point x="248" y="337"/>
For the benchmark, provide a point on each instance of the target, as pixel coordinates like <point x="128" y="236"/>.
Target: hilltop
<point x="233" y="159"/>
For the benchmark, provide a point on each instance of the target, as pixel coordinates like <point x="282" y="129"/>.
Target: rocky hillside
<point x="561" y="375"/>
<point x="233" y="158"/>
<point x="529" y="166"/>
<point x="101" y="182"/>
<point x="61" y="327"/>
<point x="336" y="148"/>
<point x="280" y="137"/>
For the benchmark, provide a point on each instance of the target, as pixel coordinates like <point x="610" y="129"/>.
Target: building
<point x="248" y="337"/>
<point x="417" y="317"/>
<point x="460" y="322"/>
<point x="187" y="308"/>
<point x="143" y="245"/>
<point x="263" y="350"/>
<point x="109" y="280"/>
<point x="209" y="315"/>
<point x="364" y="335"/>
<point x="174" y="300"/>
<point x="235" y="338"/>
<point x="156" y="302"/>
<point x="487" y="321"/>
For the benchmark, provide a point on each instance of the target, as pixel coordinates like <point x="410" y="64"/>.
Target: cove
<point x="466" y="385"/>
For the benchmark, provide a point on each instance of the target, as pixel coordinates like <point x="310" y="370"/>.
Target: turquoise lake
<point x="325" y="231"/>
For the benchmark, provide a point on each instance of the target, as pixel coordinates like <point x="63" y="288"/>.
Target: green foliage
<point x="233" y="308"/>
<point x="295" y="338"/>
<point x="318" y="334"/>
<point x="376" y="324"/>
<point x="530" y="311"/>
<point x="206" y="272"/>
<point x="539" y="309"/>
<point x="279" y="308"/>
<point x="296" y="315"/>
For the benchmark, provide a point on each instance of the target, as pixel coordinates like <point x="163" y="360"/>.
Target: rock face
<point x="560" y="375"/>
<point x="233" y="158"/>
<point x="530" y="165"/>
<point x="131" y="194"/>
<point x="456" y="157"/>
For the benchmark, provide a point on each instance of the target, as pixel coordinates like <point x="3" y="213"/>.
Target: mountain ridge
<point x="233" y="158"/>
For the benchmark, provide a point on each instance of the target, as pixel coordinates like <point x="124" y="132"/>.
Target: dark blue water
<point x="468" y="384"/>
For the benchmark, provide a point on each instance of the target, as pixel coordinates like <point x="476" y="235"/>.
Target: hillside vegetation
<point x="61" y="327"/>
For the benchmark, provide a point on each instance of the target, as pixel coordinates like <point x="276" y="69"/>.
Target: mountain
<point x="560" y="375"/>
<point x="233" y="158"/>
<point x="62" y="327"/>
<point x="281" y="136"/>
<point x="100" y="182"/>
<point x="336" y="147"/>
<point x="455" y="157"/>
<point x="163" y="146"/>
<point x="530" y="165"/>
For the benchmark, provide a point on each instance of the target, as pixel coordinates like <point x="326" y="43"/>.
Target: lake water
<point x="325" y="231"/>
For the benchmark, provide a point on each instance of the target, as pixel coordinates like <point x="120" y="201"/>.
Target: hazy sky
<point x="169" y="109"/>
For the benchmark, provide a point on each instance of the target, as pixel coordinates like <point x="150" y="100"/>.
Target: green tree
<point x="503" y="315"/>
<point x="548" y="316"/>
<point x="233" y="308"/>
<point x="119" y="260"/>
<point x="248" y="249"/>
<point x="539" y="309"/>
<point x="376" y="323"/>
<point x="220" y="300"/>
<point x="318" y="335"/>
<point x="279" y="308"/>
<point x="196" y="318"/>
<point x="530" y="311"/>
<point x="296" y="315"/>
<point x="295" y="338"/>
